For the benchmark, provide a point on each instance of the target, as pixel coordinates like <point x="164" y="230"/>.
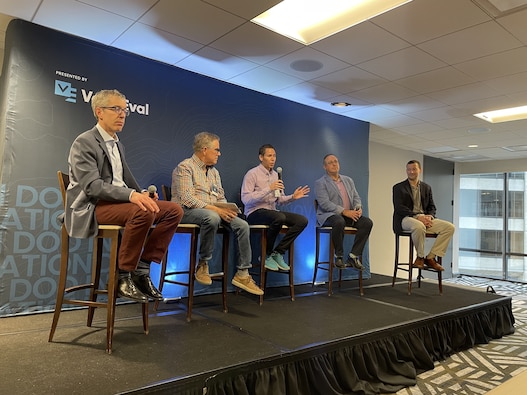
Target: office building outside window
<point x="492" y="225"/>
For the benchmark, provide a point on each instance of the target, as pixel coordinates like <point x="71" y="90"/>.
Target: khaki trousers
<point x="443" y="229"/>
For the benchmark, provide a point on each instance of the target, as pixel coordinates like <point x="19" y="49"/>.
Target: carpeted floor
<point x="481" y="368"/>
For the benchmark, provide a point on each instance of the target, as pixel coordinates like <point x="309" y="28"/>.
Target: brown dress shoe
<point x="419" y="263"/>
<point x="433" y="264"/>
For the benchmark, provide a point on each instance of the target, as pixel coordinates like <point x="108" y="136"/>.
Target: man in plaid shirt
<point x="196" y="186"/>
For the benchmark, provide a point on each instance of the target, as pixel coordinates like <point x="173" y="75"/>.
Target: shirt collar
<point x="105" y="136"/>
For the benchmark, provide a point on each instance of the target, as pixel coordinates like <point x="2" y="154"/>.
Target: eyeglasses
<point x="215" y="149"/>
<point x="118" y="110"/>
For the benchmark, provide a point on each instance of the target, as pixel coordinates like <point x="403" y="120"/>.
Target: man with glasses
<point x="196" y="186"/>
<point x="103" y="190"/>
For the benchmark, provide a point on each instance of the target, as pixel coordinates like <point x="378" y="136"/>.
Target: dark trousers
<point x="137" y="227"/>
<point x="275" y="220"/>
<point x="338" y="222"/>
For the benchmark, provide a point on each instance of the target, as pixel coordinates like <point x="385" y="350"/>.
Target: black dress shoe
<point x="127" y="289"/>
<point x="339" y="263"/>
<point x="354" y="262"/>
<point x="145" y="285"/>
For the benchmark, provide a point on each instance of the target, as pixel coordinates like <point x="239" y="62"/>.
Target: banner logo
<point x="66" y="90"/>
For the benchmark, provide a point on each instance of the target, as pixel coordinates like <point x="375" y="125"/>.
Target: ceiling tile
<point x="180" y="17"/>
<point x="471" y="43"/>
<point x="403" y="63"/>
<point x="423" y="20"/>
<point x="264" y="80"/>
<point x="71" y="17"/>
<point x="156" y="44"/>
<point x="217" y="64"/>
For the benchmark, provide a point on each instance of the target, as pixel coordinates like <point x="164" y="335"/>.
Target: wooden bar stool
<point x="261" y="231"/>
<point x="173" y="277"/>
<point x="330" y="263"/>
<point x="408" y="266"/>
<point x="111" y="232"/>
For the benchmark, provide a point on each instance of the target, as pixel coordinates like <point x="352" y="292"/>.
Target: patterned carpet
<point x="482" y="368"/>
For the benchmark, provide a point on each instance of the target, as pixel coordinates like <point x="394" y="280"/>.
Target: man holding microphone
<point x="262" y="190"/>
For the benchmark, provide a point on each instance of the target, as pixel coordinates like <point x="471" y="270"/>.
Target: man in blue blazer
<point x="339" y="205"/>
<point x="414" y="210"/>
<point x="103" y="190"/>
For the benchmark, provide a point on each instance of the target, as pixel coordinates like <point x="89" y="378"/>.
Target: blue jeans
<point x="209" y="222"/>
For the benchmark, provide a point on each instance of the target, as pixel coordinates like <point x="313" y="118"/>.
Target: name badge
<point x="214" y="190"/>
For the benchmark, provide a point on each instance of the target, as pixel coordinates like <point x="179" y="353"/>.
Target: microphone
<point x="152" y="189"/>
<point x="279" y="171"/>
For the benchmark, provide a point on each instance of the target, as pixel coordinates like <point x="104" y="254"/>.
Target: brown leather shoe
<point x="419" y="263"/>
<point x="433" y="264"/>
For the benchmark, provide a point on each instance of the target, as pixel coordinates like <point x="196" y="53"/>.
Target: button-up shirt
<point x="115" y="156"/>
<point x="195" y="185"/>
<point x="256" y="191"/>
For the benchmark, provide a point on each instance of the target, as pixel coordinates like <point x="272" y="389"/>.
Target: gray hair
<point x="204" y="140"/>
<point x="101" y="98"/>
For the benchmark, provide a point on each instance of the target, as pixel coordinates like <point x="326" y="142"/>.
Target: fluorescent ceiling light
<point x="505" y="115"/>
<point x="308" y="21"/>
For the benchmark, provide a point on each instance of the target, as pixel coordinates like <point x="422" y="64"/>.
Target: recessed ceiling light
<point x="504" y="115"/>
<point x="340" y="104"/>
<point x="308" y="21"/>
<point x="479" y="130"/>
<point x="473" y="146"/>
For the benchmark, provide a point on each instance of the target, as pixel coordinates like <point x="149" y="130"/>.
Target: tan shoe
<point x="419" y="263"/>
<point x="434" y="264"/>
<point x="247" y="284"/>
<point x="202" y="274"/>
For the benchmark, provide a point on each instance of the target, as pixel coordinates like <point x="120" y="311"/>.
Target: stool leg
<point x="360" y="283"/>
<point x="162" y="277"/>
<point x="410" y="264"/>
<point x="331" y="262"/>
<point x="317" y="251"/>
<point x="63" y="274"/>
<point x="263" y="256"/>
<point x="225" y="268"/>
<point x="291" y="271"/>
<point x="112" y="293"/>
<point x="396" y="263"/>
<point x="191" y="271"/>
<point x="95" y="276"/>
<point x="145" y="317"/>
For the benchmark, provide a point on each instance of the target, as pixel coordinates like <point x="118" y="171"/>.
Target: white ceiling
<point x="417" y="73"/>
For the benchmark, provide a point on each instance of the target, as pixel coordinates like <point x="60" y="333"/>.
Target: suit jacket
<point x="329" y="199"/>
<point x="90" y="181"/>
<point x="403" y="203"/>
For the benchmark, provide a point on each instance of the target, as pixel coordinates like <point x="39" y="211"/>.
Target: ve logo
<point x="65" y="89"/>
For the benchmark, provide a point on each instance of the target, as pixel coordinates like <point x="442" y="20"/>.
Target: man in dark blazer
<point x="414" y="211"/>
<point x="102" y="190"/>
<point x="339" y="205"/>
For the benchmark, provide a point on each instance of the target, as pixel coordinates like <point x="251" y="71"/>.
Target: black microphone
<point x="152" y="189"/>
<point x="279" y="171"/>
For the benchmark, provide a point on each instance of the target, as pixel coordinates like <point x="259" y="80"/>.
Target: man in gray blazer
<point x="103" y="190"/>
<point x="339" y="205"/>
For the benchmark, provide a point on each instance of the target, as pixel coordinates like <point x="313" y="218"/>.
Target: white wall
<point x="387" y="167"/>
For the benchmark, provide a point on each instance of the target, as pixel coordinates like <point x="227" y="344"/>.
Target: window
<point x="492" y="225"/>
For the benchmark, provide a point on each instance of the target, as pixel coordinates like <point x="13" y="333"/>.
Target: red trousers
<point x="139" y="241"/>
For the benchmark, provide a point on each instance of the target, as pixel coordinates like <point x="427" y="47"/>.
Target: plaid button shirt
<point x="195" y="185"/>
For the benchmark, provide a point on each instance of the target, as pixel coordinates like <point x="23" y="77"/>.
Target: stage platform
<point x="342" y="344"/>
